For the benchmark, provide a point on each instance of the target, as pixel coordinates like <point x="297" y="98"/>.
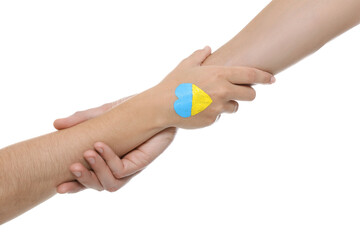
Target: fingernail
<point x="77" y="174"/>
<point x="99" y="149"/>
<point x="218" y="117"/>
<point x="91" y="160"/>
<point x="236" y="108"/>
<point x="273" y="79"/>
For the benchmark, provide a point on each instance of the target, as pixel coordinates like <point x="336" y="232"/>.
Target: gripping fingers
<point x="70" y="187"/>
<point x="241" y="93"/>
<point x="86" y="177"/>
<point x="113" y="161"/>
<point x="120" y="168"/>
<point x="246" y="75"/>
<point x="105" y="176"/>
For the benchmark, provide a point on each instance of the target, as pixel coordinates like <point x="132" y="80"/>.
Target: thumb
<point x="199" y="56"/>
<point x="70" y="121"/>
<point x="81" y="116"/>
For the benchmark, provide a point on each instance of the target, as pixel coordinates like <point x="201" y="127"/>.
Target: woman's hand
<point x="109" y="172"/>
<point x="222" y="87"/>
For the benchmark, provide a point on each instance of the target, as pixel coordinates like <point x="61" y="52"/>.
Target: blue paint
<point x="183" y="105"/>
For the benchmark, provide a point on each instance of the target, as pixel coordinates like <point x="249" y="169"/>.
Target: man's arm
<point x="105" y="173"/>
<point x="285" y="32"/>
<point x="31" y="170"/>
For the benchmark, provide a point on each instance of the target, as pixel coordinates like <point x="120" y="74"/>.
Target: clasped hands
<point x="225" y="85"/>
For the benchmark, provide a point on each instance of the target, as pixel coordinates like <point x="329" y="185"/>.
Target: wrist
<point x="159" y="100"/>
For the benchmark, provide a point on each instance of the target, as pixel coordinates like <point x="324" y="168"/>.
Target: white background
<point x="286" y="166"/>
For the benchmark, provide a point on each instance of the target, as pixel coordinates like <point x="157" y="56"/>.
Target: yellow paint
<point x="200" y="100"/>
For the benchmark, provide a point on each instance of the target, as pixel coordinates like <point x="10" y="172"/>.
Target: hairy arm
<point x="31" y="170"/>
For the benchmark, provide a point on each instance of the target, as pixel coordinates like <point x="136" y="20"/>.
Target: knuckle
<point x="222" y="92"/>
<point x="218" y="74"/>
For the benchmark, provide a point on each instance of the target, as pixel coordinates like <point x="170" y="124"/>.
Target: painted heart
<point x="191" y="100"/>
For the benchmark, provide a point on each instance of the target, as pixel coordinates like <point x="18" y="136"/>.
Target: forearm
<point x="31" y="170"/>
<point x="286" y="31"/>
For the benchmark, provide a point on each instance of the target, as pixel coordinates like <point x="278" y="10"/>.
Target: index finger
<point x="247" y="75"/>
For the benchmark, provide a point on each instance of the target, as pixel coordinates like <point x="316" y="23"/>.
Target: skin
<point x="108" y="170"/>
<point x="283" y="33"/>
<point x="31" y="170"/>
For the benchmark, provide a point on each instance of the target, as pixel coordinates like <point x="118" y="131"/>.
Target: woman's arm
<point x="31" y="170"/>
<point x="286" y="31"/>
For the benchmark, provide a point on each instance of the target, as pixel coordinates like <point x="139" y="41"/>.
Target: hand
<point x="224" y="85"/>
<point x="83" y="116"/>
<point x="107" y="167"/>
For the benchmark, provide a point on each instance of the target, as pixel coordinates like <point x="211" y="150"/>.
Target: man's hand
<point x="109" y="172"/>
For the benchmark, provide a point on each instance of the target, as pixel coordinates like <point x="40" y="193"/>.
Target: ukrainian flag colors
<point x="192" y="100"/>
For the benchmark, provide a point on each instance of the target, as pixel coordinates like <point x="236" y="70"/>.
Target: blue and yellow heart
<point x="192" y="100"/>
